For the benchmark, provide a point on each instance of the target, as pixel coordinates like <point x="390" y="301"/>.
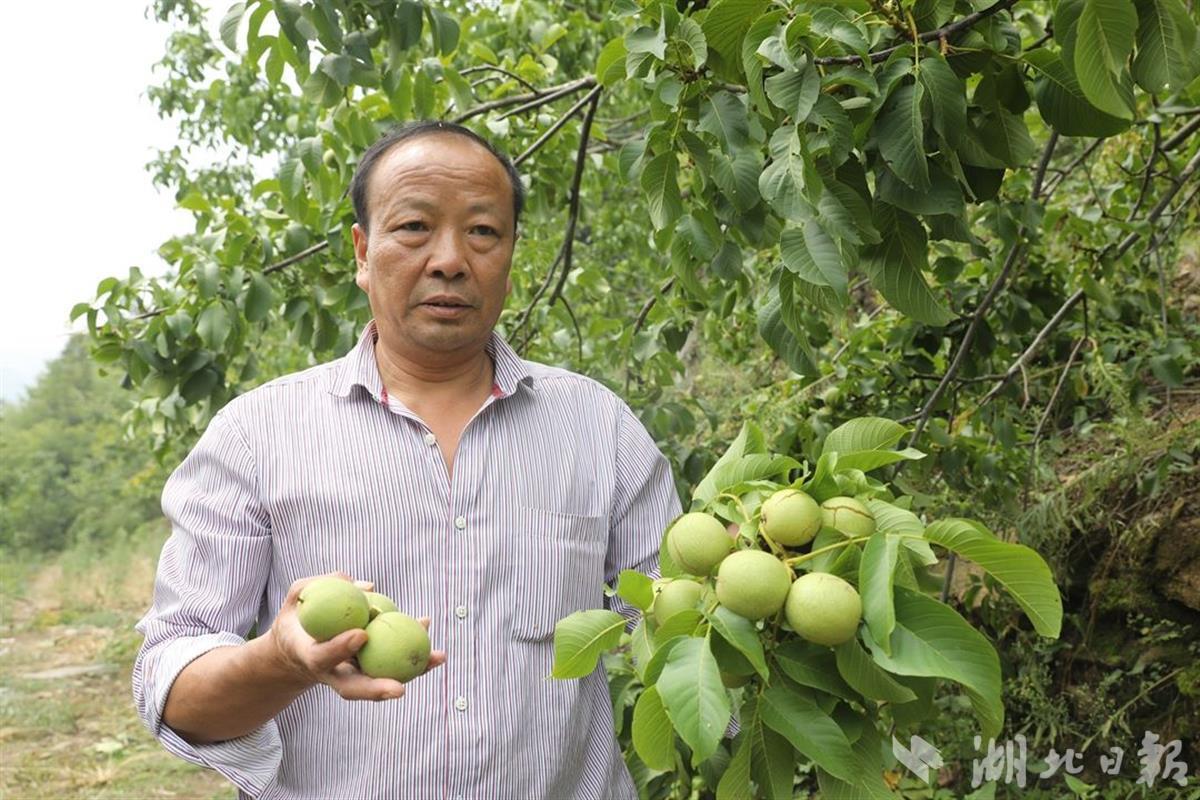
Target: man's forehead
<point x="440" y="157"/>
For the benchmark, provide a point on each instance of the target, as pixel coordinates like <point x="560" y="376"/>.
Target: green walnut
<point x="791" y="518"/>
<point x="697" y="542"/>
<point x="753" y="584"/>
<point x="848" y="516"/>
<point x="328" y="606"/>
<point x="397" y="647"/>
<point x="823" y="608"/>
<point x="379" y="603"/>
<point x="678" y="595"/>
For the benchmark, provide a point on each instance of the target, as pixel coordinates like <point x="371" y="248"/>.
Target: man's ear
<point x="360" y="255"/>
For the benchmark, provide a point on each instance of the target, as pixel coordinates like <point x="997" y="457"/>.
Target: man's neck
<point x="422" y="385"/>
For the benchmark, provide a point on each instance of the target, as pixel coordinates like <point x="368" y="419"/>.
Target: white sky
<point x="77" y="204"/>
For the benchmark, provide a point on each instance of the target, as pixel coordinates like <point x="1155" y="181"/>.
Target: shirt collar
<point x="359" y="368"/>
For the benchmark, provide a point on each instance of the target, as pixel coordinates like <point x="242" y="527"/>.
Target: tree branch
<point x="585" y="132"/>
<point x="553" y="129"/>
<point x="303" y="254"/>
<point x="502" y="71"/>
<point x="512" y="100"/>
<point x="984" y="305"/>
<point x="943" y="32"/>
<point x="548" y="98"/>
<point x="649" y="304"/>
<point x="1180" y="136"/>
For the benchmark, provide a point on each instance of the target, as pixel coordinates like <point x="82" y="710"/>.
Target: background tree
<point x="956" y="215"/>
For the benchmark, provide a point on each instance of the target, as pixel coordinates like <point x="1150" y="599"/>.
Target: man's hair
<point x="410" y="131"/>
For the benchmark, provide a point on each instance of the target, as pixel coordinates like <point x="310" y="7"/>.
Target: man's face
<point x="435" y="263"/>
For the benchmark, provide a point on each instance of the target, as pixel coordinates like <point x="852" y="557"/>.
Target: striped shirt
<point x="556" y="488"/>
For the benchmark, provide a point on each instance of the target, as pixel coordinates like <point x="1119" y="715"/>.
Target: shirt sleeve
<point x="208" y="591"/>
<point x="644" y="503"/>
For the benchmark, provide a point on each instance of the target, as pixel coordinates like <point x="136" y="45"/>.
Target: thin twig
<point x="502" y="71"/>
<point x="572" y="220"/>
<point x="303" y="254"/>
<point x="553" y="129"/>
<point x="1148" y="173"/>
<point x="1180" y="136"/>
<point x="649" y="304"/>
<point x="550" y="97"/>
<point x="928" y="36"/>
<point x="512" y="100"/>
<point x="985" y="304"/>
<point x="575" y="322"/>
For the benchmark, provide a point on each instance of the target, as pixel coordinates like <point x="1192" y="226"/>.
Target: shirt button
<point x="460" y="522"/>
<point x="430" y="439"/>
<point x="460" y="703"/>
<point x="461" y="612"/>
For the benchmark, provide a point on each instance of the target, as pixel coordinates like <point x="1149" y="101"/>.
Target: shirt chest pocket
<point x="557" y="569"/>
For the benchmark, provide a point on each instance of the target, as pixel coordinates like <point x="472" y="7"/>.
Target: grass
<point x="79" y="737"/>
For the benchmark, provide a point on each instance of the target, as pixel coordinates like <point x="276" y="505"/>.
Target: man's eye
<point x="414" y="225"/>
<point x="484" y="230"/>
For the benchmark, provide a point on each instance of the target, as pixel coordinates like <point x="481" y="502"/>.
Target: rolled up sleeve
<point x="644" y="503"/>
<point x="208" y="593"/>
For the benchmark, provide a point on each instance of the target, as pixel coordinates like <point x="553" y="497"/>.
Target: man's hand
<point x="331" y="662"/>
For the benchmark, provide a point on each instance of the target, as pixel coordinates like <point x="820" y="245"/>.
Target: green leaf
<point x="932" y="640"/>
<point x="830" y="23"/>
<point x="900" y="132"/>
<point x="1167" y="58"/>
<point x="735" y="782"/>
<point x="1016" y="567"/>
<point x="695" y="698"/>
<point x="320" y="88"/>
<point x="812" y="255"/>
<point x="727" y="23"/>
<point x="199" y="385"/>
<point x="649" y="40"/>
<point x="895" y="266"/>
<point x="337" y="67"/>
<point x="862" y="435"/>
<point x="1062" y="103"/>
<point x="809" y="729"/>
<point x="742" y="635"/>
<point x="875" y="574"/>
<point x="662" y="190"/>
<point x="692" y="36"/>
<point x="214" y="325"/>
<point x="1166" y="368"/>
<point x="229" y="25"/>
<point x="948" y="96"/>
<point x="445" y="30"/>
<point x="812" y="665"/>
<point x="724" y="116"/>
<point x="759" y="30"/>
<point x="636" y="588"/>
<point x="1103" y="41"/>
<point x="681" y="623"/>
<point x="1006" y="137"/>
<point x="865" y="677"/>
<point x="749" y="440"/>
<point x="653" y="737"/>
<point x="260" y="297"/>
<point x="610" y="65"/>
<point x="741" y="469"/>
<point x="795" y="91"/>
<point x="794" y="351"/>
<point x="772" y="757"/>
<point x="737" y="177"/>
<point x="580" y="638"/>
<point x="944" y="195"/>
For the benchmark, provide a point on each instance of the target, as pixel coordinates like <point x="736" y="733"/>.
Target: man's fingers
<point x="326" y="656"/>
<point x="353" y="685"/>
<point x="436" y="659"/>
<point x="424" y="622"/>
<point x="366" y="586"/>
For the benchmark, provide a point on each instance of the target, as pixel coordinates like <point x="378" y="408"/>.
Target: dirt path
<point x="67" y="724"/>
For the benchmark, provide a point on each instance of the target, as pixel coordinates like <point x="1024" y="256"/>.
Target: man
<point x="490" y="494"/>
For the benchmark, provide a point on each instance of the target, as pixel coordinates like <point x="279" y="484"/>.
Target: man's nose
<point x="447" y="255"/>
